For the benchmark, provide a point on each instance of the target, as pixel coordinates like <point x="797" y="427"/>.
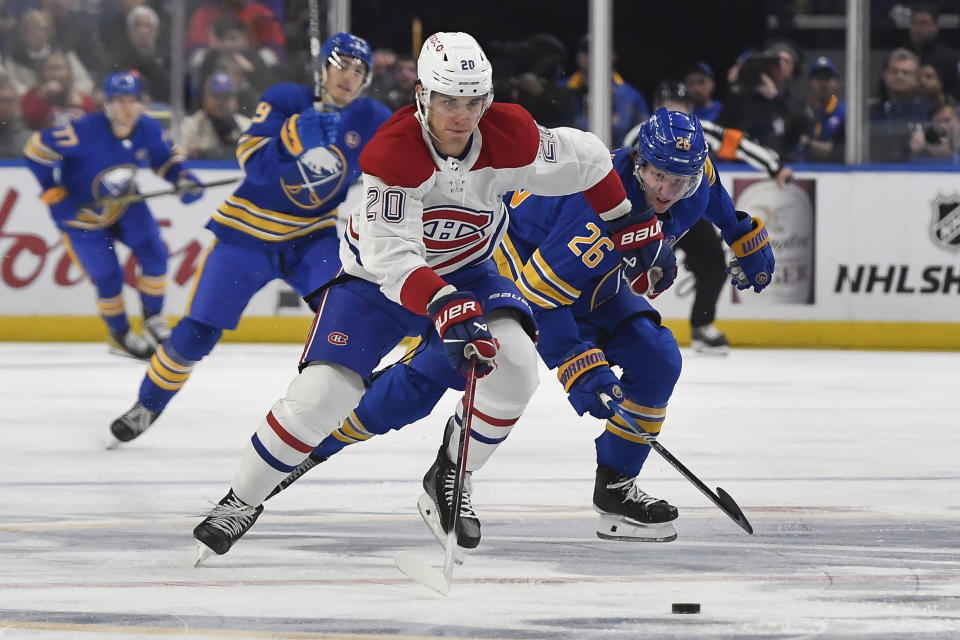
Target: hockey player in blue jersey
<point x="96" y="158"/>
<point x="566" y="266"/>
<point x="300" y="160"/>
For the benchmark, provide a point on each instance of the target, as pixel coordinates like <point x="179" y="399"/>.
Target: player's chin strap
<point x="722" y="499"/>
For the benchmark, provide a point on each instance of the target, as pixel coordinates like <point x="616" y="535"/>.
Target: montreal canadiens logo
<point x="449" y="228"/>
<point x="337" y="338"/>
<point x="315" y="177"/>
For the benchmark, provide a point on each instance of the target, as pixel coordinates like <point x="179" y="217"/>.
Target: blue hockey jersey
<point x="561" y="257"/>
<point x="84" y="161"/>
<point x="281" y="198"/>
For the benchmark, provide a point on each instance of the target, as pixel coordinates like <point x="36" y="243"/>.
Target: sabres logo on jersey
<point x="447" y="228"/>
<point x="316" y="177"/>
<point x="114" y="182"/>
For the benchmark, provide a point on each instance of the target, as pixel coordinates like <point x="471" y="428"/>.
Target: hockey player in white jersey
<point x="416" y="260"/>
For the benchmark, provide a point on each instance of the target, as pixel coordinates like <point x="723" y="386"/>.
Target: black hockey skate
<point x="708" y="339"/>
<point x="155" y="329"/>
<point x="298" y="471"/>
<point x="132" y="423"/>
<point x="627" y="513"/>
<point x="436" y="503"/>
<point x="224" y="525"/>
<point x="130" y="344"/>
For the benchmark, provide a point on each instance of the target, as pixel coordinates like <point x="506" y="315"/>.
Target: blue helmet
<point x="121" y="83"/>
<point x="673" y="142"/>
<point x="345" y="44"/>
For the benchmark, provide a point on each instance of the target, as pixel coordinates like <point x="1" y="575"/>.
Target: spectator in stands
<point x="700" y="86"/>
<point x="758" y="104"/>
<point x="404" y="83"/>
<point x="263" y="28"/>
<point x="13" y="132"/>
<point x="229" y="51"/>
<point x="55" y="100"/>
<point x="535" y="65"/>
<point x="899" y="112"/>
<point x="76" y="31"/>
<point x="786" y="75"/>
<point x="36" y="36"/>
<point x="628" y="104"/>
<point x="383" y="60"/>
<point x="213" y="131"/>
<point x="926" y="43"/>
<point x="822" y="123"/>
<point x="382" y="74"/>
<point x="929" y="84"/>
<point x="939" y="139"/>
<point x="142" y="52"/>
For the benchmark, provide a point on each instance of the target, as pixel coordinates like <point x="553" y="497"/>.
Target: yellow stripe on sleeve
<point x="54" y="195"/>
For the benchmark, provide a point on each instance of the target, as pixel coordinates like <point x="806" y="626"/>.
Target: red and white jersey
<point x="424" y="216"/>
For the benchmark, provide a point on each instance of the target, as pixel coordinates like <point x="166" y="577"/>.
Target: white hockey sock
<point x="502" y="395"/>
<point x="316" y="403"/>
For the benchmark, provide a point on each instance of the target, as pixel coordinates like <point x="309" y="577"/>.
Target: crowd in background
<point x="53" y="54"/>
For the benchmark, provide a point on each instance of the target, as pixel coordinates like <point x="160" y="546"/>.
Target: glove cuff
<point x="638" y="234"/>
<point x="752" y="241"/>
<point x="453" y="308"/>
<point x="579" y="364"/>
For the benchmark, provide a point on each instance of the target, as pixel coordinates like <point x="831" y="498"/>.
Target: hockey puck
<point x="685" y="607"/>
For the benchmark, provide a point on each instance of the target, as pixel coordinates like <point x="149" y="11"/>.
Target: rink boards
<point x="865" y="258"/>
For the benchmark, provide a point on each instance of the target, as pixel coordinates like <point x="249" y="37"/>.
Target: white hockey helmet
<point x="452" y="63"/>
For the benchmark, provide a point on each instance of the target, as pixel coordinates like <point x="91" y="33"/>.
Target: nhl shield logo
<point x="945" y="222"/>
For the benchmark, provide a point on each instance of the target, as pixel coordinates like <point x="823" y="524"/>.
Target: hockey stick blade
<point x="724" y="500"/>
<point x="419" y="571"/>
<point x="733" y="510"/>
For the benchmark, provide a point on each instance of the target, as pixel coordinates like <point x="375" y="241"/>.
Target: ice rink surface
<point x="846" y="463"/>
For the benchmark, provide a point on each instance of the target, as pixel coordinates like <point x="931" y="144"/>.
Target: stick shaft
<point x="468" y="395"/>
<point x="139" y="197"/>
<point x="316" y="63"/>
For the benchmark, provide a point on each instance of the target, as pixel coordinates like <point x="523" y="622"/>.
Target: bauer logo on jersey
<point x="945" y="223"/>
<point x="315" y="177"/>
<point x="337" y="338"/>
<point x="449" y="228"/>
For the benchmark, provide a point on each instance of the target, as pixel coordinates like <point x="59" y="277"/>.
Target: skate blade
<point x="419" y="571"/>
<point x="613" y="528"/>
<point x="707" y="350"/>
<point x="112" y="443"/>
<point x="117" y="351"/>
<point x="428" y="511"/>
<point x="203" y="552"/>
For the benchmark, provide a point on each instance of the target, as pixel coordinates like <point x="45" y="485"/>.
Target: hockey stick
<point x="417" y="569"/>
<point x="722" y="499"/>
<point x="316" y="64"/>
<point x="139" y="197"/>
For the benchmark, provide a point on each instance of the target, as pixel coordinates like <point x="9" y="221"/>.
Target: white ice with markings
<point x="846" y="463"/>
